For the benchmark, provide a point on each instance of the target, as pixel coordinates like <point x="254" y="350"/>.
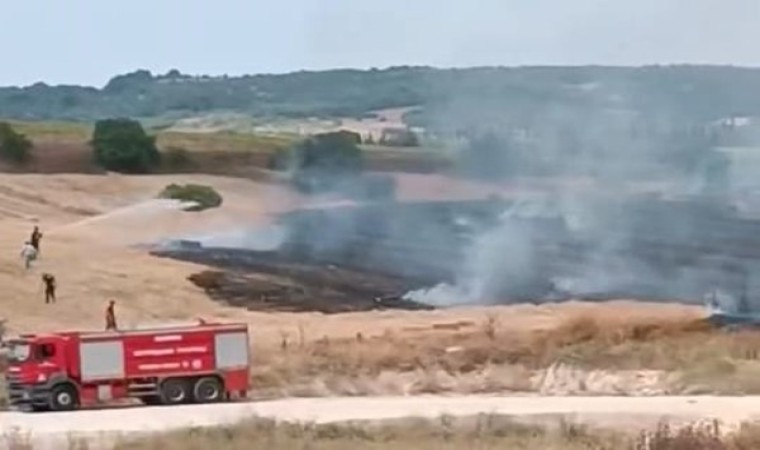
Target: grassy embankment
<point x="487" y="357"/>
<point x="686" y="357"/>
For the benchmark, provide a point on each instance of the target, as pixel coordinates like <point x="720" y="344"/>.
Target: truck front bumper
<point x="24" y="396"/>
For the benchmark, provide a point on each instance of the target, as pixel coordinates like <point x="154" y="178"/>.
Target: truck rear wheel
<point x="174" y="391"/>
<point x="64" y="397"/>
<point x="208" y="390"/>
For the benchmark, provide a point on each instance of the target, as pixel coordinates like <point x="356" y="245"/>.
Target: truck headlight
<point x="41" y="378"/>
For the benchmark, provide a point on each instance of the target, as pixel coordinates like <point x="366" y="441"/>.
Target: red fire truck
<point x="170" y="365"/>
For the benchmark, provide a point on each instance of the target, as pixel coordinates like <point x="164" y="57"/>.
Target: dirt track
<point x="626" y="412"/>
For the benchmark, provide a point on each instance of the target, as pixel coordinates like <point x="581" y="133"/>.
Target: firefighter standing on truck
<point x="110" y="317"/>
<point x="49" y="281"/>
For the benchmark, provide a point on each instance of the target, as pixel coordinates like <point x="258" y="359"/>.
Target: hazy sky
<point x="88" y="41"/>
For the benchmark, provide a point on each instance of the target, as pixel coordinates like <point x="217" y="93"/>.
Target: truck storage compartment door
<point x="102" y="360"/>
<point x="231" y="351"/>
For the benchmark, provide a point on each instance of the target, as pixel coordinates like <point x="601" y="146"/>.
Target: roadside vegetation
<point x="483" y="432"/>
<point x="585" y="355"/>
<point x="487" y="432"/>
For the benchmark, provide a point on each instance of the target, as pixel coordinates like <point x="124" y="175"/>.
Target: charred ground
<point x="272" y="281"/>
<point x="364" y="257"/>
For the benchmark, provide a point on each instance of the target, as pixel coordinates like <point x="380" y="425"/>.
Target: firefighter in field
<point x="111" y="317"/>
<point x="29" y="254"/>
<point x="35" y="239"/>
<point x="48" y="280"/>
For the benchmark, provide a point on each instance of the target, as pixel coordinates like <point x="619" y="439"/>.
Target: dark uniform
<point x="49" y="281"/>
<point x="35" y="239"/>
<point x="110" y="317"/>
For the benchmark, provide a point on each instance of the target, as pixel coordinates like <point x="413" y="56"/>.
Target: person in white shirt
<point x="29" y="253"/>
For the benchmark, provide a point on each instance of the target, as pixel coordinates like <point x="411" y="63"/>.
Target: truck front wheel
<point x="64" y="397"/>
<point x="174" y="391"/>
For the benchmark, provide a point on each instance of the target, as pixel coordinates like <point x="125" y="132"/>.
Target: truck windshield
<point x="19" y="352"/>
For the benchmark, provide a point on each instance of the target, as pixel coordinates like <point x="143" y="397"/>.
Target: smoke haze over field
<point x="654" y="220"/>
<point x="635" y="203"/>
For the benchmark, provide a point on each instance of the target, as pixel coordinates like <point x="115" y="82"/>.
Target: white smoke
<point x="497" y="257"/>
<point x="262" y="239"/>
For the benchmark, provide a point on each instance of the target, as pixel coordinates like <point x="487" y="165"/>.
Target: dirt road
<point x="50" y="431"/>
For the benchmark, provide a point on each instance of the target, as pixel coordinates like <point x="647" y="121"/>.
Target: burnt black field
<point x="366" y="257"/>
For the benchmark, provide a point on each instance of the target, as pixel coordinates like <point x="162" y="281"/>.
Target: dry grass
<point x="69" y="131"/>
<point x="490" y="358"/>
<point x="207" y="142"/>
<point x="222" y="142"/>
<point x="192" y="142"/>
<point x="484" y="432"/>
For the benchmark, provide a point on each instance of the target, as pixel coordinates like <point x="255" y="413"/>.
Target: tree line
<point x="447" y="96"/>
<point x="325" y="162"/>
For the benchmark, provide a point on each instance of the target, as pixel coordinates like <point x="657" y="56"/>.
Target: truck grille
<point x="14" y="387"/>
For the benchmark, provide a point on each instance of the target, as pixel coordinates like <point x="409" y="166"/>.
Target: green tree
<point x="121" y="145"/>
<point x="14" y="146"/>
<point x="323" y="161"/>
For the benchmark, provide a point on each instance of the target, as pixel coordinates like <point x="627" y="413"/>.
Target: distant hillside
<point x="450" y="99"/>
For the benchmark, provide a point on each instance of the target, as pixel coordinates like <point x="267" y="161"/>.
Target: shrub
<point x="14" y="146"/>
<point x="205" y="197"/>
<point x="121" y="145"/>
<point x="323" y="161"/>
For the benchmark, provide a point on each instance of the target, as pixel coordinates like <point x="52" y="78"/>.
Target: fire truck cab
<point x="169" y="365"/>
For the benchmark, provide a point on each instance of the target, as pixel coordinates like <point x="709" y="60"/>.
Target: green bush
<point x="14" y="146"/>
<point x="121" y="145"/>
<point x="205" y="197"/>
<point x="323" y="161"/>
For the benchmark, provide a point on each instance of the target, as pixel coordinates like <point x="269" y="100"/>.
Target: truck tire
<point x="64" y="397"/>
<point x="174" y="391"/>
<point x="208" y="390"/>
